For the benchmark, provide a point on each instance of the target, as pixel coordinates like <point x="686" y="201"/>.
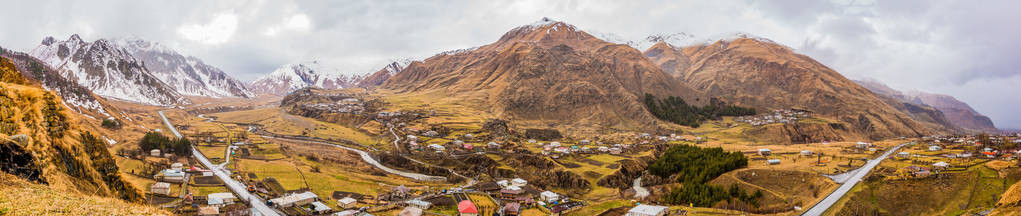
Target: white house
<point x="935" y="148"/>
<point x="174" y="176"/>
<point x="765" y="152"/>
<point x="518" y="182"/>
<point x="227" y="197"/>
<point x="549" y="196"/>
<point x="417" y="203"/>
<point x="773" y="161"/>
<point x="176" y="166"/>
<point x="806" y="153"/>
<point x="294" y="199"/>
<point x="154" y="153"/>
<point x="903" y="154"/>
<point x="647" y="210"/>
<point x="941" y="164"/>
<point x="437" y="147"/>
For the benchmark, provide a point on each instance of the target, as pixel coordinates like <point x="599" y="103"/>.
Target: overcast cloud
<point x="961" y="48"/>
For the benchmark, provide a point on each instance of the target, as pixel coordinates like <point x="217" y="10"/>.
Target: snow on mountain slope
<point x="187" y="75"/>
<point x="290" y="77"/>
<point x="107" y="70"/>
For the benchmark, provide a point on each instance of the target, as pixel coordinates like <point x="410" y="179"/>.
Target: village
<point x="479" y="170"/>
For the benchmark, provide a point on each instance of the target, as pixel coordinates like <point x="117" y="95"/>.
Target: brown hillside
<point x="549" y="72"/>
<point x="956" y="111"/>
<point x="922" y="113"/>
<point x="42" y="141"/>
<point x="762" y="74"/>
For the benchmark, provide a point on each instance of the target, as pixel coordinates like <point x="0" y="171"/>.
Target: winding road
<point x="259" y="206"/>
<point x="368" y="159"/>
<point x="847" y="181"/>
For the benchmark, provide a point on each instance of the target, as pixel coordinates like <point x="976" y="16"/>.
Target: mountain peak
<point x="75" y="37"/>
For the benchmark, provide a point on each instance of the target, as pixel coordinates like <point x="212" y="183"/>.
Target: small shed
<point x="161" y="188"/>
<point x="773" y="161"/>
<point x="941" y="165"/>
<point x="806" y="153"/>
<point x="765" y="152"/>
<point x="154" y="153"/>
<point x="347" y="203"/>
<point x="320" y="208"/>
<point x="935" y="148"/>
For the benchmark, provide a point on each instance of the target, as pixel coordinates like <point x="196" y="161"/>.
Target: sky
<point x="965" y="49"/>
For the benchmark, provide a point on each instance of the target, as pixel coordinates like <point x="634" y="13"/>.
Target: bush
<point x="153" y="140"/>
<point x="111" y="124"/>
<point x="695" y="167"/>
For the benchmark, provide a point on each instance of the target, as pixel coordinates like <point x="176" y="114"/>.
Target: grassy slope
<point x="18" y="197"/>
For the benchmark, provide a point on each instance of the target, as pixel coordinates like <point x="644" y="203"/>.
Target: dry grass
<point x="276" y="121"/>
<point x="18" y="197"/>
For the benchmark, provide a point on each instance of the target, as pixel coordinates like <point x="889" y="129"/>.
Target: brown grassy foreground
<point x="19" y="197"/>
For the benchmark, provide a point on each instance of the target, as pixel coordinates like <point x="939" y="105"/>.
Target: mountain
<point x="42" y="141"/>
<point x="921" y="112"/>
<point x="756" y="72"/>
<point x="107" y="70"/>
<point x="290" y="77"/>
<point x="958" y="112"/>
<point x="377" y="78"/>
<point x="188" y="75"/>
<point x="75" y="95"/>
<point x="548" y="72"/>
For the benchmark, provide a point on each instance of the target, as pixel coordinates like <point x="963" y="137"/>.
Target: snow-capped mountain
<point x="290" y="77"/>
<point x="188" y="75"/>
<point x="377" y="78"/>
<point x="107" y="70"/>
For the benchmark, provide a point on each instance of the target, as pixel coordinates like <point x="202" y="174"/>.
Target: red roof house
<point x="467" y="208"/>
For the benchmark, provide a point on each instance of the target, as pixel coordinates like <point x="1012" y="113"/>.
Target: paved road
<point x="241" y="190"/>
<point x="368" y="159"/>
<point x="848" y="182"/>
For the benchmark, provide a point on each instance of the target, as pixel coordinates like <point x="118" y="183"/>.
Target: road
<point x="372" y="161"/>
<point x="258" y="205"/>
<point x="848" y="182"/>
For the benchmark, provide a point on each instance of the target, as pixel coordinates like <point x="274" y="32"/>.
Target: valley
<point x="546" y="120"/>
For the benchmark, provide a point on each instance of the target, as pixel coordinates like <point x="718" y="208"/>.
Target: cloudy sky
<point x="962" y="48"/>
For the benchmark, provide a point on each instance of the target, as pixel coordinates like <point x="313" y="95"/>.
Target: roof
<point x="513" y="207"/>
<point x="466" y="206"/>
<point x="294" y="198"/>
<point x="410" y="211"/>
<point x="224" y="195"/>
<point x="214" y="201"/>
<point x="209" y="210"/>
<point x="647" y="209"/>
<point x="318" y="206"/>
<point x="419" y="202"/>
<point x="941" y="163"/>
<point x="347" y="200"/>
<point x="764" y="149"/>
<point x="161" y="185"/>
<point x="548" y="194"/>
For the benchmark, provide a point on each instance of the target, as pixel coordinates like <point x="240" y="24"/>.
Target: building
<point x="616" y="150"/>
<point x="320" y="208"/>
<point x="773" y="161"/>
<point x="549" y="196"/>
<point x="806" y="153"/>
<point x="209" y="210"/>
<point x="647" y="210"/>
<point x="510" y="193"/>
<point x="903" y="154"/>
<point x="226" y="197"/>
<point x="765" y="152"/>
<point x="935" y="148"/>
<point x="176" y="166"/>
<point x="493" y="145"/>
<point x="173" y="176"/>
<point x="862" y="145"/>
<point x="294" y="199"/>
<point x="437" y="147"/>
<point x="420" y="204"/>
<point x="161" y="188"/>
<point x="518" y="182"/>
<point x="154" y="153"/>
<point x="511" y="209"/>
<point x="467" y="208"/>
<point x="941" y="165"/>
<point x="410" y="211"/>
<point x="347" y="203"/>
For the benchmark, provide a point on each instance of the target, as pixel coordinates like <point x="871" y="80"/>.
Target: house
<point x="903" y="154"/>
<point x="510" y="193"/>
<point x="549" y="196"/>
<point x="935" y="148"/>
<point x="616" y="150"/>
<point x="806" y="153"/>
<point x="773" y="161"/>
<point x="647" y="210"/>
<point x="554" y="144"/>
<point x="469" y="136"/>
<point x="412" y="137"/>
<point x="511" y="209"/>
<point x="503" y="183"/>
<point x="294" y="199"/>
<point x="226" y="197"/>
<point x="765" y="152"/>
<point x="209" y="210"/>
<point x="467" y="146"/>
<point x="410" y="211"/>
<point x="603" y="149"/>
<point x="458" y="142"/>
<point x="431" y="133"/>
<point x="518" y="182"/>
<point x="176" y="166"/>
<point x="320" y="208"/>
<point x="862" y="145"/>
<point x="941" y="165"/>
<point x="493" y="145"/>
<point x="532" y="141"/>
<point x="585" y="142"/>
<point x="161" y="188"/>
<point x="347" y="213"/>
<point x="420" y="204"/>
<point x="347" y="203"/>
<point x="467" y="208"/>
<point x="173" y="176"/>
<point x="154" y="153"/>
<point x="437" y="147"/>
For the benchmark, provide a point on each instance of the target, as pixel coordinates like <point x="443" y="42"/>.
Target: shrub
<point x="111" y="124"/>
<point x="674" y="109"/>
